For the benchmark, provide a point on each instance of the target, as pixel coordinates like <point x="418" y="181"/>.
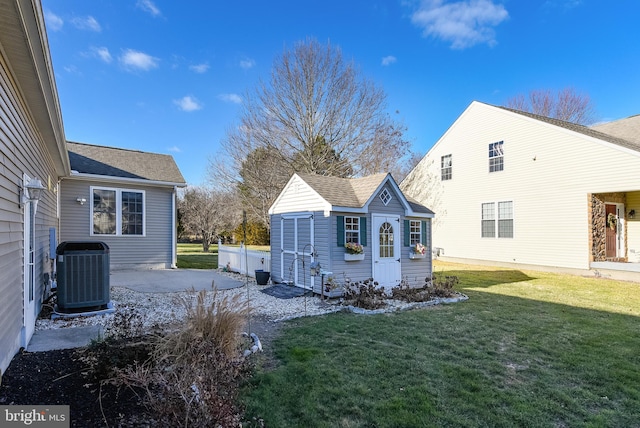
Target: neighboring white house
<point x="315" y="217"/>
<point x="509" y="187"/>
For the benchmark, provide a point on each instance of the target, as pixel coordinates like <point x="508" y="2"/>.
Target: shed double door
<point x="297" y="250"/>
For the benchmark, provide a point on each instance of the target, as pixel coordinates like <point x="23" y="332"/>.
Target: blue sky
<point x="169" y="76"/>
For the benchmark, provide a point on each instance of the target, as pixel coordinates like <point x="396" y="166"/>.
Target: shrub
<point x="433" y="287"/>
<point x="443" y="287"/>
<point x="364" y="294"/>
<point x="193" y="374"/>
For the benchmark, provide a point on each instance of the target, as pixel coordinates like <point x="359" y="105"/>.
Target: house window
<point x="385" y="197"/>
<point x="502" y="223"/>
<point x="415" y="232"/>
<point x="446" y="167"/>
<point x="505" y="219"/>
<point x="496" y="157"/>
<point x="352" y="230"/>
<point x="117" y="212"/>
<point x="488" y="220"/>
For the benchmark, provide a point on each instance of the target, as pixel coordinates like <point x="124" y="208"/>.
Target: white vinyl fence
<point x="239" y="259"/>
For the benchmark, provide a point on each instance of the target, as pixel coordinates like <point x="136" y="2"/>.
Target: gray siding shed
<point x="334" y="199"/>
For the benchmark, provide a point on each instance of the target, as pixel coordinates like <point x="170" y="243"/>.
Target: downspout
<point x="174" y="230"/>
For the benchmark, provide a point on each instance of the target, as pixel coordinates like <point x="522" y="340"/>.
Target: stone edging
<point x="414" y="305"/>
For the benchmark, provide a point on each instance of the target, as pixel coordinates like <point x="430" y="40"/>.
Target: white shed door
<point x="385" y="234"/>
<point x="297" y="248"/>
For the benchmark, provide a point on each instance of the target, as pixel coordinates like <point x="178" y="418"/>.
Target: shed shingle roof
<point x="352" y="192"/>
<point x="344" y="192"/>
<point x="123" y="163"/>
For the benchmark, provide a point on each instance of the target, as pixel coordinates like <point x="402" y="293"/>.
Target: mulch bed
<point x="61" y="377"/>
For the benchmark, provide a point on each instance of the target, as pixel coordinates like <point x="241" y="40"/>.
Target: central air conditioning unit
<point x="82" y="276"/>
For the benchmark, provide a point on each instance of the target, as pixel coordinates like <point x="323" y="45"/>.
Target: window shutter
<point x="363" y="231"/>
<point x="407" y="238"/>
<point x="340" y="230"/>
<point x="423" y="231"/>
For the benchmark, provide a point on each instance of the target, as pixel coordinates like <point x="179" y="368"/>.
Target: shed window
<point x="385" y="197"/>
<point x="117" y="212"/>
<point x="415" y="232"/>
<point x="352" y="230"/>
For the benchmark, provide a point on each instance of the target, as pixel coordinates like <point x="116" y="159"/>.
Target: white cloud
<point x="463" y="23"/>
<point x="174" y="149"/>
<point x="564" y="5"/>
<point x="102" y="53"/>
<point x="231" y="98"/>
<point x="188" y="103"/>
<point x="88" y="23"/>
<point x="388" y="60"/>
<point x="72" y="69"/>
<point x="199" y="68"/>
<point x="135" y="60"/>
<point x="149" y="7"/>
<point x="53" y="21"/>
<point x="247" y="63"/>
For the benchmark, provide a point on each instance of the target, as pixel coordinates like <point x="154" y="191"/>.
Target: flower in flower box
<point x="353" y="248"/>
<point x="418" y="248"/>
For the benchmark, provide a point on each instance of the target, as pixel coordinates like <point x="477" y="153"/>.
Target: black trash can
<point x="82" y="269"/>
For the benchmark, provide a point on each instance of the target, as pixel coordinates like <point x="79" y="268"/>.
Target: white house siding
<point x="298" y="196"/>
<point x="151" y="251"/>
<point x="22" y="150"/>
<point x="548" y="174"/>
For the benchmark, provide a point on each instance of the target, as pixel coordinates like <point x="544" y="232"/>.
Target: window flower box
<point x="353" y="257"/>
<point x="417" y="251"/>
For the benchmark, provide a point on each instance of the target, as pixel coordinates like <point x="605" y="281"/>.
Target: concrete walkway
<point x="172" y="280"/>
<point x="144" y="281"/>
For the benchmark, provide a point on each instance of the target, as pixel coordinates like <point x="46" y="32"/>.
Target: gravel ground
<point x="163" y="308"/>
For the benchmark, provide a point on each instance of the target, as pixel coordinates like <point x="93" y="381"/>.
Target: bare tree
<point x="207" y="213"/>
<point x="566" y="105"/>
<point x="315" y="114"/>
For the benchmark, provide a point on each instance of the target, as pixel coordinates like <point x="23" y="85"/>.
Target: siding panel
<point x="22" y="150"/>
<point x="548" y="173"/>
<point x="152" y="251"/>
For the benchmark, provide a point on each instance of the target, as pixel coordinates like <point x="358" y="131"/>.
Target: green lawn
<point x="527" y="349"/>
<point x="191" y="256"/>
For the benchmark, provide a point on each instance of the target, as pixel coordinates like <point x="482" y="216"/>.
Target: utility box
<point x="82" y="275"/>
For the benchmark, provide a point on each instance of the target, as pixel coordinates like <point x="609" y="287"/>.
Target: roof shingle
<point x="590" y="132"/>
<point x="123" y="163"/>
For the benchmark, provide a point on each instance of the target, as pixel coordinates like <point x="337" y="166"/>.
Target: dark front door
<point x="611" y="231"/>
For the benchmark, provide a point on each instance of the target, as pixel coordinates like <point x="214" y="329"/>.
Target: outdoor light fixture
<point x="32" y="191"/>
<point x="314" y="268"/>
<point x="81" y="200"/>
<point x="632" y="213"/>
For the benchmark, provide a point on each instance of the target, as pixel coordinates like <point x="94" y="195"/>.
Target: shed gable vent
<point x="385" y="197"/>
